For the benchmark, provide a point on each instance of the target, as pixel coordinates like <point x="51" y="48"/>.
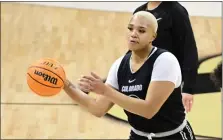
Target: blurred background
<point x="84" y="37"/>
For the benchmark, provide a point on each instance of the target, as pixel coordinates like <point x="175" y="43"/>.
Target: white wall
<point x="212" y="9"/>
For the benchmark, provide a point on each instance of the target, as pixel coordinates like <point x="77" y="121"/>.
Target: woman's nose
<point x="134" y="34"/>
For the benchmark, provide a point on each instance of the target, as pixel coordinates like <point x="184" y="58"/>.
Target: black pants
<point x="186" y="134"/>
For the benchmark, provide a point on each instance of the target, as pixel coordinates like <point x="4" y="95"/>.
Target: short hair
<point x="216" y="75"/>
<point x="149" y="16"/>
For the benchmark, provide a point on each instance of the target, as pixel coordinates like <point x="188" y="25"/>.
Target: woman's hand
<point x="83" y="85"/>
<point x="92" y="83"/>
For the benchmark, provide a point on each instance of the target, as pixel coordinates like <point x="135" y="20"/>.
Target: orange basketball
<point x="46" y="77"/>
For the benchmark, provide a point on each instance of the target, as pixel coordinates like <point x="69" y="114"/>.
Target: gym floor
<point x="51" y="121"/>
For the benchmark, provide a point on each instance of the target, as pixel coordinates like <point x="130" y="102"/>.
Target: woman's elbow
<point x="98" y="114"/>
<point x="150" y="114"/>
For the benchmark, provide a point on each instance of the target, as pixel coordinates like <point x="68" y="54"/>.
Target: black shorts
<point x="186" y="134"/>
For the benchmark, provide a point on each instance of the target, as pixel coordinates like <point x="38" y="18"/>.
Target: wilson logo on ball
<point x="46" y="77"/>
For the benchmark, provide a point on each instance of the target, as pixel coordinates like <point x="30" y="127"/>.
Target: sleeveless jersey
<point x="135" y="85"/>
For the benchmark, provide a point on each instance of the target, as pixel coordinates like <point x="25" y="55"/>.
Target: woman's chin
<point x="132" y="47"/>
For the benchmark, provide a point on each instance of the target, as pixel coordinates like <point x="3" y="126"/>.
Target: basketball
<point x="46" y="77"/>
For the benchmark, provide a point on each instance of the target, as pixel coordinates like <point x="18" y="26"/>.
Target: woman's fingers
<point x="84" y="86"/>
<point x="90" y="78"/>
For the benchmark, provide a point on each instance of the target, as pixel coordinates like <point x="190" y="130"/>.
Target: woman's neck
<point x="141" y="55"/>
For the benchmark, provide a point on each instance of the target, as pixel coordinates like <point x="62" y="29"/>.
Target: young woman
<point x="145" y="82"/>
<point x="175" y="34"/>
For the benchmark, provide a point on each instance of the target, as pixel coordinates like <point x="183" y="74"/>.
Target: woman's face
<point x="140" y="33"/>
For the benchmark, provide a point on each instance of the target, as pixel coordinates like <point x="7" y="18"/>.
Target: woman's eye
<point x="142" y="31"/>
<point x="130" y="28"/>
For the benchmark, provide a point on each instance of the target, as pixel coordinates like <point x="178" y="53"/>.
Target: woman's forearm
<point x="98" y="107"/>
<point x="78" y="96"/>
<point x="88" y="102"/>
<point x="133" y="105"/>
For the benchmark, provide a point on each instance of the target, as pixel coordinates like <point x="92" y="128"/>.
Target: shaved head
<point x="142" y="31"/>
<point x="148" y="18"/>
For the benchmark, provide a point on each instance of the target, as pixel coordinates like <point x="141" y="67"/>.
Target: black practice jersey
<point x="135" y="85"/>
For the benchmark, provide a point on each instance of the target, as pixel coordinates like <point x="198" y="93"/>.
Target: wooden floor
<point x="42" y="121"/>
<point x="56" y="122"/>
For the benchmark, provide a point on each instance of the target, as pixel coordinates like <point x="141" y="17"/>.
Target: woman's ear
<point x="154" y="36"/>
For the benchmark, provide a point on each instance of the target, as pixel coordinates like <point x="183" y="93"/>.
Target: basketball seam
<point x="42" y="83"/>
<point x="48" y="70"/>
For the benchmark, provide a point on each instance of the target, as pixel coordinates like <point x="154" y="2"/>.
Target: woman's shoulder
<point x="177" y="8"/>
<point x="141" y="8"/>
<point x="167" y="57"/>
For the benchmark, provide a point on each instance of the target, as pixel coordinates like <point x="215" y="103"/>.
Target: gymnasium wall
<point x="86" y="40"/>
<point x="206" y="8"/>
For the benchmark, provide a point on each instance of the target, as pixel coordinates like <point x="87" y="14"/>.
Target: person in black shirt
<point x="175" y="34"/>
<point x="145" y="82"/>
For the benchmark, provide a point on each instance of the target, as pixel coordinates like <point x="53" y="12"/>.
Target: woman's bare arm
<point x="98" y="107"/>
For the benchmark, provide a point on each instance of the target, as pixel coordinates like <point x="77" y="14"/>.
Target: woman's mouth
<point x="133" y="42"/>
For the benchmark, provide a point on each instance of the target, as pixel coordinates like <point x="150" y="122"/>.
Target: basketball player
<point x="145" y="82"/>
<point x="216" y="76"/>
<point x="175" y="34"/>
